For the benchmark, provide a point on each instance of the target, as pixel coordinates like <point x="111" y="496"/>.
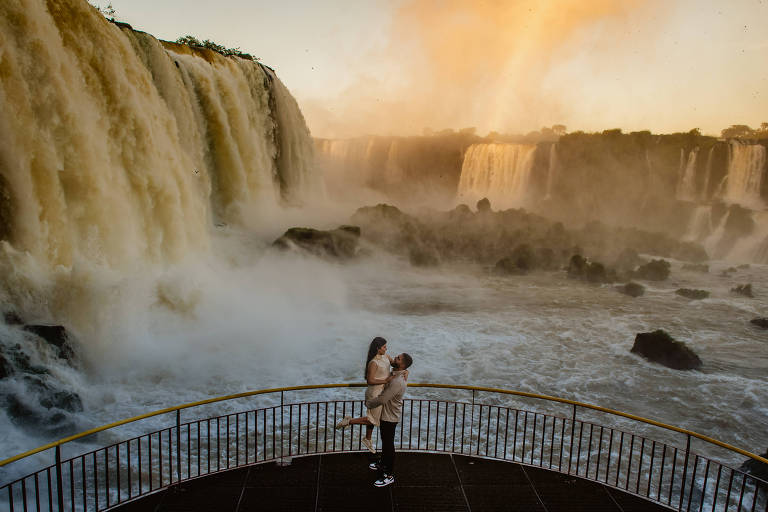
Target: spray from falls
<point x="500" y="172"/>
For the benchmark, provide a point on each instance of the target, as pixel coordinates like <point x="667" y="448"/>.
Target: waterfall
<point x="700" y="225"/>
<point x="704" y="195"/>
<point x="551" y="170"/>
<point x="746" y="167"/>
<point x="500" y="172"/>
<point x="118" y="148"/>
<point x="393" y="171"/>
<point x="346" y="161"/>
<point x="686" y="185"/>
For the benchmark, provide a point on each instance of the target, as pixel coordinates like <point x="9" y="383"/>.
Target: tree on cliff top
<point x="194" y="42"/>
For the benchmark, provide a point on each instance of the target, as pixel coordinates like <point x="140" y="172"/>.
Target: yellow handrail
<point x="357" y="385"/>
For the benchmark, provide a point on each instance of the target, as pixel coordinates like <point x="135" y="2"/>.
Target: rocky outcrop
<point x="340" y="243"/>
<point x="655" y="270"/>
<point x="12" y="318"/>
<point x="632" y="289"/>
<point x="760" y="322"/>
<point x="690" y="293"/>
<point x="592" y="271"/>
<point x="743" y="289"/>
<point x="755" y="467"/>
<point x="660" y="347"/>
<point x="56" y="336"/>
<point x="484" y="205"/>
<point x="31" y="394"/>
<point x="496" y="238"/>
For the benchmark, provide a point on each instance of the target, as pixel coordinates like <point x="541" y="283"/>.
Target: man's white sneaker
<point x="374" y="466"/>
<point x="384" y="481"/>
<point x="368" y="444"/>
<point x="344" y="422"/>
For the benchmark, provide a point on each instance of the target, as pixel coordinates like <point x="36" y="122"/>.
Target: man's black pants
<point x="387" y="431"/>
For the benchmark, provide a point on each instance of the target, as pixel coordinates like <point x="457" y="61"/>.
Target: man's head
<point x="402" y="361"/>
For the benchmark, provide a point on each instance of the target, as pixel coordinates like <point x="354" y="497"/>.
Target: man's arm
<point x="394" y="387"/>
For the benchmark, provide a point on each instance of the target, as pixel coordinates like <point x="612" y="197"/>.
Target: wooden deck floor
<point x="424" y="482"/>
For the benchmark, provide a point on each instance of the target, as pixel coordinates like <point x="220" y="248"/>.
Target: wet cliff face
<point x="121" y="149"/>
<point x="654" y="182"/>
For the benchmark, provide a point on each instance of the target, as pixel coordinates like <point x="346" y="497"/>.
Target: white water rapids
<point x="266" y="320"/>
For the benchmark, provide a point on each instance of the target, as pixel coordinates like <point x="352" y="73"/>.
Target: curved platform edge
<point x="423" y="481"/>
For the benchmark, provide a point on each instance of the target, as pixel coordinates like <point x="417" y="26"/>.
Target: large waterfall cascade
<point x="119" y="148"/>
<point x="500" y="172"/>
<point x="746" y="168"/>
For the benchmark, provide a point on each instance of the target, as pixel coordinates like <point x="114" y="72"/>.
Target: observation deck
<point x="459" y="448"/>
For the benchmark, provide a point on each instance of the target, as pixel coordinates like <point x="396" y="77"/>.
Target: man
<point x="391" y="400"/>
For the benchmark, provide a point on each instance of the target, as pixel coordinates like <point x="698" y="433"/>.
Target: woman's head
<point x="378" y="345"/>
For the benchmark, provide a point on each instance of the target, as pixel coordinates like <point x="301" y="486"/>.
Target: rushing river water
<point x="282" y="321"/>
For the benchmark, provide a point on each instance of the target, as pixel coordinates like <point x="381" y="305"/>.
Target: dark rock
<point x="743" y="289"/>
<point x="423" y="257"/>
<point x="65" y="400"/>
<point x="26" y="414"/>
<point x="693" y="294"/>
<point x="660" y="347"/>
<point x="760" y="322"/>
<point x="697" y="267"/>
<point x="461" y="212"/>
<point x="521" y="261"/>
<point x="6" y="368"/>
<point x="12" y="318"/>
<point x="484" y="205"/>
<point x="632" y="289"/>
<point x="55" y="335"/>
<point x="655" y="270"/>
<point x="21" y="360"/>
<point x="340" y="243"/>
<point x="755" y="467"/>
<point x="577" y="266"/>
<point x="594" y="272"/>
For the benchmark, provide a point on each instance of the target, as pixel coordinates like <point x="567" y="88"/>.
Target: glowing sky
<point x="396" y="67"/>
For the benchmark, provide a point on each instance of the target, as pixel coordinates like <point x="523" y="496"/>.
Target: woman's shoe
<point x="344" y="422"/>
<point x="368" y="444"/>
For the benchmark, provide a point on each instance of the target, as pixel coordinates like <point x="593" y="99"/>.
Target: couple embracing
<point x="384" y="400"/>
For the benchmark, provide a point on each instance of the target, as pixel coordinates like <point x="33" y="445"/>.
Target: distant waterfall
<point x="551" y="171"/>
<point x="118" y="148"/>
<point x="347" y="161"/>
<point x="704" y="195"/>
<point x="746" y="167"/>
<point x="686" y="185"/>
<point x="393" y="171"/>
<point x="500" y="172"/>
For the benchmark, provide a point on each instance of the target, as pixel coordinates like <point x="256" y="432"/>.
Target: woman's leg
<point x="368" y="432"/>
<point x="361" y="421"/>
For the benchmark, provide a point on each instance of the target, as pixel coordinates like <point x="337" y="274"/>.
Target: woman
<point x="377" y="373"/>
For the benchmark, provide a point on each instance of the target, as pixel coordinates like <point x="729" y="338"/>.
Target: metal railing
<point x="674" y="476"/>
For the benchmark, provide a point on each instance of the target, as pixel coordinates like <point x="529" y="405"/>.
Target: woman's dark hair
<point x="373" y="348"/>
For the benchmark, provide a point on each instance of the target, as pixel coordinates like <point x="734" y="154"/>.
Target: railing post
<point x="178" y="445"/>
<point x="282" y="425"/>
<point x="59" y="488"/>
<point x="570" y="446"/>
<point x="685" y="472"/>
